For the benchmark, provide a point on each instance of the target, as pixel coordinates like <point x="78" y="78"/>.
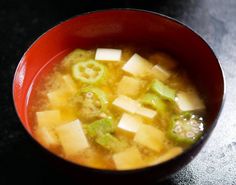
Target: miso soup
<point x="116" y="109"/>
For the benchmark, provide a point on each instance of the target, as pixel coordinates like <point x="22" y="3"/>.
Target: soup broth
<point x="116" y="109"/>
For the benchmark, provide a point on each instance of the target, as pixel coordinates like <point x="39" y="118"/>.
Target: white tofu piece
<point x="58" y="98"/>
<point x="129" y="86"/>
<point x="160" y="73"/>
<point x="128" y="159"/>
<point x="189" y="101"/>
<point x="108" y="54"/>
<point x="173" y="152"/>
<point x="49" y="119"/>
<point x="133" y="107"/>
<point x="150" y="137"/>
<point x="47" y="137"/>
<point x="138" y="66"/>
<point x="72" y="138"/>
<point x="126" y="103"/>
<point x="69" y="83"/>
<point x="129" y="123"/>
<point x="146" y="112"/>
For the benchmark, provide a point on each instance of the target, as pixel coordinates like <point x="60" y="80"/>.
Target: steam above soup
<point x="116" y="109"/>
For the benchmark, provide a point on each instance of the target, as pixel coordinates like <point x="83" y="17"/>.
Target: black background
<point x="21" y="22"/>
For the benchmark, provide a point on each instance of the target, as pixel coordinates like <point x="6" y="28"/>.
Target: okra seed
<point x="190" y="134"/>
<point x="177" y="129"/>
<point x="89" y="95"/>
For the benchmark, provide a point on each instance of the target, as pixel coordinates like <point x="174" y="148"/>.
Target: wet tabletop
<point x="21" y="22"/>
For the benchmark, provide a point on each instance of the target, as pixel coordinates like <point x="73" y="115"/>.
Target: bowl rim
<point x="203" y="138"/>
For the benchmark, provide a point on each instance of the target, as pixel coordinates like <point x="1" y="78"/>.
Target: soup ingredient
<point x="89" y="72"/>
<point x="47" y="137"/>
<point x="128" y="159"/>
<point x="91" y="103"/>
<point x="138" y="66"/>
<point x="108" y="54"/>
<point x="100" y="127"/>
<point x="130" y="86"/>
<point x="126" y="103"/>
<point x="154" y="101"/>
<point x="114" y="109"/>
<point x="160" y="73"/>
<point x="49" y="118"/>
<point x="101" y="131"/>
<point x="70" y="84"/>
<point x="72" y="138"/>
<point x="150" y="137"/>
<point x="111" y="143"/>
<point x="78" y="55"/>
<point x="133" y="106"/>
<point x="58" y="98"/>
<point x="163" y="90"/>
<point x="171" y="153"/>
<point x="98" y="93"/>
<point x="146" y="112"/>
<point x="129" y="123"/>
<point x="186" y="128"/>
<point x="189" y="101"/>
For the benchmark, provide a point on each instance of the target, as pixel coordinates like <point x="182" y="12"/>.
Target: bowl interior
<point x="121" y="27"/>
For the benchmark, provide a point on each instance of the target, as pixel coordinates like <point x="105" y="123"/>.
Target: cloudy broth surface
<point x="116" y="108"/>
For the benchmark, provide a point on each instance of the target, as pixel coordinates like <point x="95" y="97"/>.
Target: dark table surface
<point x="21" y="22"/>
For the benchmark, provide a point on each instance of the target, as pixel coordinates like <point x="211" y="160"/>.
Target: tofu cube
<point x="129" y="123"/>
<point x="49" y="119"/>
<point x="47" y="137"/>
<point x="72" y="138"/>
<point x="146" y="112"/>
<point x="128" y="159"/>
<point x="58" y="98"/>
<point x="189" y="101"/>
<point x="70" y="85"/>
<point x="160" y="73"/>
<point x="130" y="86"/>
<point x="108" y="54"/>
<point x="138" y="66"/>
<point x="150" y="137"/>
<point x="126" y="103"/>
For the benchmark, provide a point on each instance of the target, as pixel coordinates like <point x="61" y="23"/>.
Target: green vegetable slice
<point x="111" y="143"/>
<point x="101" y="130"/>
<point x="98" y="93"/>
<point x="186" y="128"/>
<point x="163" y="90"/>
<point x="78" y="55"/>
<point x="89" y="71"/>
<point x="154" y="101"/>
<point x="100" y="127"/>
<point x="91" y="102"/>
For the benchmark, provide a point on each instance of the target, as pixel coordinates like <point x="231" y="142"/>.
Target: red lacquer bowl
<point x="120" y="27"/>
